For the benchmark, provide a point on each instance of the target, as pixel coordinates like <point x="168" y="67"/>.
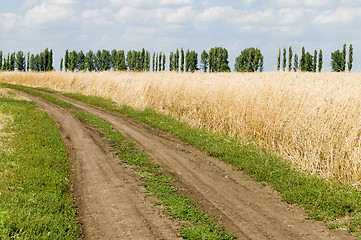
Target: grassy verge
<point x="324" y="200"/>
<point x="199" y="225"/>
<point x="35" y="201"/>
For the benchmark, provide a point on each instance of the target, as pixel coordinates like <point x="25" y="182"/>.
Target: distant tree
<point x="147" y="56"/>
<point x="204" y="61"/>
<point x="20" y="61"/>
<point x="73" y="60"/>
<point x="142" y="60"/>
<point x="290" y="55"/>
<point x="261" y="63"/>
<point x="153" y="61"/>
<point x="49" y="66"/>
<point x="121" y="65"/>
<point x="27" y="62"/>
<point x="114" y="59"/>
<point x="106" y="60"/>
<point x="182" y="60"/>
<point x="343" y="63"/>
<point x="308" y="62"/>
<point x="320" y="61"/>
<point x="218" y="60"/>
<point x="160" y="62"/>
<point x="81" y="61"/>
<point x="61" y="64"/>
<point x="89" y="61"/>
<point x="284" y="59"/>
<point x="279" y="60"/>
<point x="1" y="60"/>
<point x="249" y="60"/>
<point x="45" y="57"/>
<point x="315" y="61"/>
<point x="303" y="60"/>
<point x="171" y="61"/>
<point x="191" y="61"/>
<point x="295" y="66"/>
<point x="32" y="63"/>
<point x="156" y="62"/>
<point x="66" y="61"/>
<point x="337" y="61"/>
<point x="176" y="60"/>
<point x="164" y="58"/>
<point x="350" y="58"/>
<point x="12" y="62"/>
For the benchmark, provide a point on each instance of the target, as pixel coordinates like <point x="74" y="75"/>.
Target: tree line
<point x="214" y="60"/>
<point x="39" y="62"/>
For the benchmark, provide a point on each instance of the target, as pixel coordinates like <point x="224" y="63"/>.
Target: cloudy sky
<point x="164" y="25"/>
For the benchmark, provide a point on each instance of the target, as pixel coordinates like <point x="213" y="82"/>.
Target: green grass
<point x="35" y="200"/>
<point x="324" y="200"/>
<point x="199" y="225"/>
<point x="34" y="92"/>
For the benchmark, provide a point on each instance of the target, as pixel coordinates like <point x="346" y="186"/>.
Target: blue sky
<point x="164" y="25"/>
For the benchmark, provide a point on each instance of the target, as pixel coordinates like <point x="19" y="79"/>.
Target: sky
<point x="165" y="25"/>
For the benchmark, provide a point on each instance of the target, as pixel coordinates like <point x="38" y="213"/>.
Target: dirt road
<point x="113" y="206"/>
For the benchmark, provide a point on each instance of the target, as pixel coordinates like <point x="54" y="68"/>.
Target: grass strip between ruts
<point x="325" y="200"/>
<point x="199" y="225"/>
<point x="35" y="201"/>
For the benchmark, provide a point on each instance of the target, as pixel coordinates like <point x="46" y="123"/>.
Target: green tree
<point x="147" y="56"/>
<point x="315" y="61"/>
<point x="121" y="65"/>
<point x="350" y="58"/>
<point x="106" y="60"/>
<point x="73" y="60"/>
<point x="279" y="60"/>
<point x="249" y="60"/>
<point x="66" y="61"/>
<point x="12" y="62"/>
<point x="153" y="61"/>
<point x="49" y="66"/>
<point x="290" y="55"/>
<point x="156" y="62"/>
<point x="303" y="60"/>
<point x="295" y="66"/>
<point x="176" y="60"/>
<point x="343" y="63"/>
<point x="218" y="60"/>
<point x="89" y="61"/>
<point x="20" y="61"/>
<point x="163" y="65"/>
<point x="61" y="64"/>
<point x="171" y="61"/>
<point x="337" y="61"/>
<point x="182" y="60"/>
<point x="1" y="60"/>
<point x="160" y="62"/>
<point x="81" y="61"/>
<point x="204" y="60"/>
<point x="284" y="59"/>
<point x="320" y="61"/>
<point x="113" y="59"/>
<point x="27" y="62"/>
<point x="32" y="63"/>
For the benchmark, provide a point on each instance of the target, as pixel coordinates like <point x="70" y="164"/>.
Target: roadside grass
<point x="35" y="201"/>
<point x="159" y="184"/>
<point x="325" y="200"/>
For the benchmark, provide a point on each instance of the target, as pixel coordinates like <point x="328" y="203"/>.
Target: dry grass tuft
<point x="312" y="119"/>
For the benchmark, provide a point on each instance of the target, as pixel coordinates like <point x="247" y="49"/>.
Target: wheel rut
<point x="245" y="207"/>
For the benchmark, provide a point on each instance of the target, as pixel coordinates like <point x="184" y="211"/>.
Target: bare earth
<point x="113" y="206"/>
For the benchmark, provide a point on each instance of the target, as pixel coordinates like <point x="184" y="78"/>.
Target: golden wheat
<point x="312" y="119"/>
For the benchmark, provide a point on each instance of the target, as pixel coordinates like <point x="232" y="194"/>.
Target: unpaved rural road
<point x="113" y="206"/>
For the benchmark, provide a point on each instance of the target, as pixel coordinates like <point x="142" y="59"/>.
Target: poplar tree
<point x="343" y="63"/>
<point x="1" y="60"/>
<point x="284" y="59"/>
<point x="153" y="61"/>
<point x="171" y="59"/>
<point x="121" y="65"/>
<point x="290" y="55"/>
<point x="114" y="59"/>
<point x="176" y="60"/>
<point x="81" y="61"/>
<point x="147" y="56"/>
<point x="160" y="62"/>
<point x="164" y="62"/>
<point x="279" y="60"/>
<point x="204" y="60"/>
<point x="50" y="61"/>
<point x="27" y="62"/>
<point x="303" y="60"/>
<point x="67" y="61"/>
<point x="61" y="64"/>
<point x="89" y="61"/>
<point x="350" y="58"/>
<point x="337" y="61"/>
<point x="156" y="62"/>
<point x="32" y="63"/>
<point x="182" y="60"/>
<point x="320" y="61"/>
<point x="12" y="62"/>
<point x="315" y="61"/>
<point x="73" y="58"/>
<point x="20" y="61"/>
<point x="295" y="66"/>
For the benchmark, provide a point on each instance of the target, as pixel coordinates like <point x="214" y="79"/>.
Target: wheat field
<point x="311" y="119"/>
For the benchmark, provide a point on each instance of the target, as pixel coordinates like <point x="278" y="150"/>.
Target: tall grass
<point x="312" y="119"/>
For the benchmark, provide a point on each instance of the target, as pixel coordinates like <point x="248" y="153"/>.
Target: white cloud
<point x="9" y="20"/>
<point x="133" y="3"/>
<point x="176" y="2"/>
<point x="61" y="2"/>
<point x="45" y="13"/>
<point x="340" y="15"/>
<point x="154" y="16"/>
<point x="215" y="13"/>
<point x="97" y="16"/>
